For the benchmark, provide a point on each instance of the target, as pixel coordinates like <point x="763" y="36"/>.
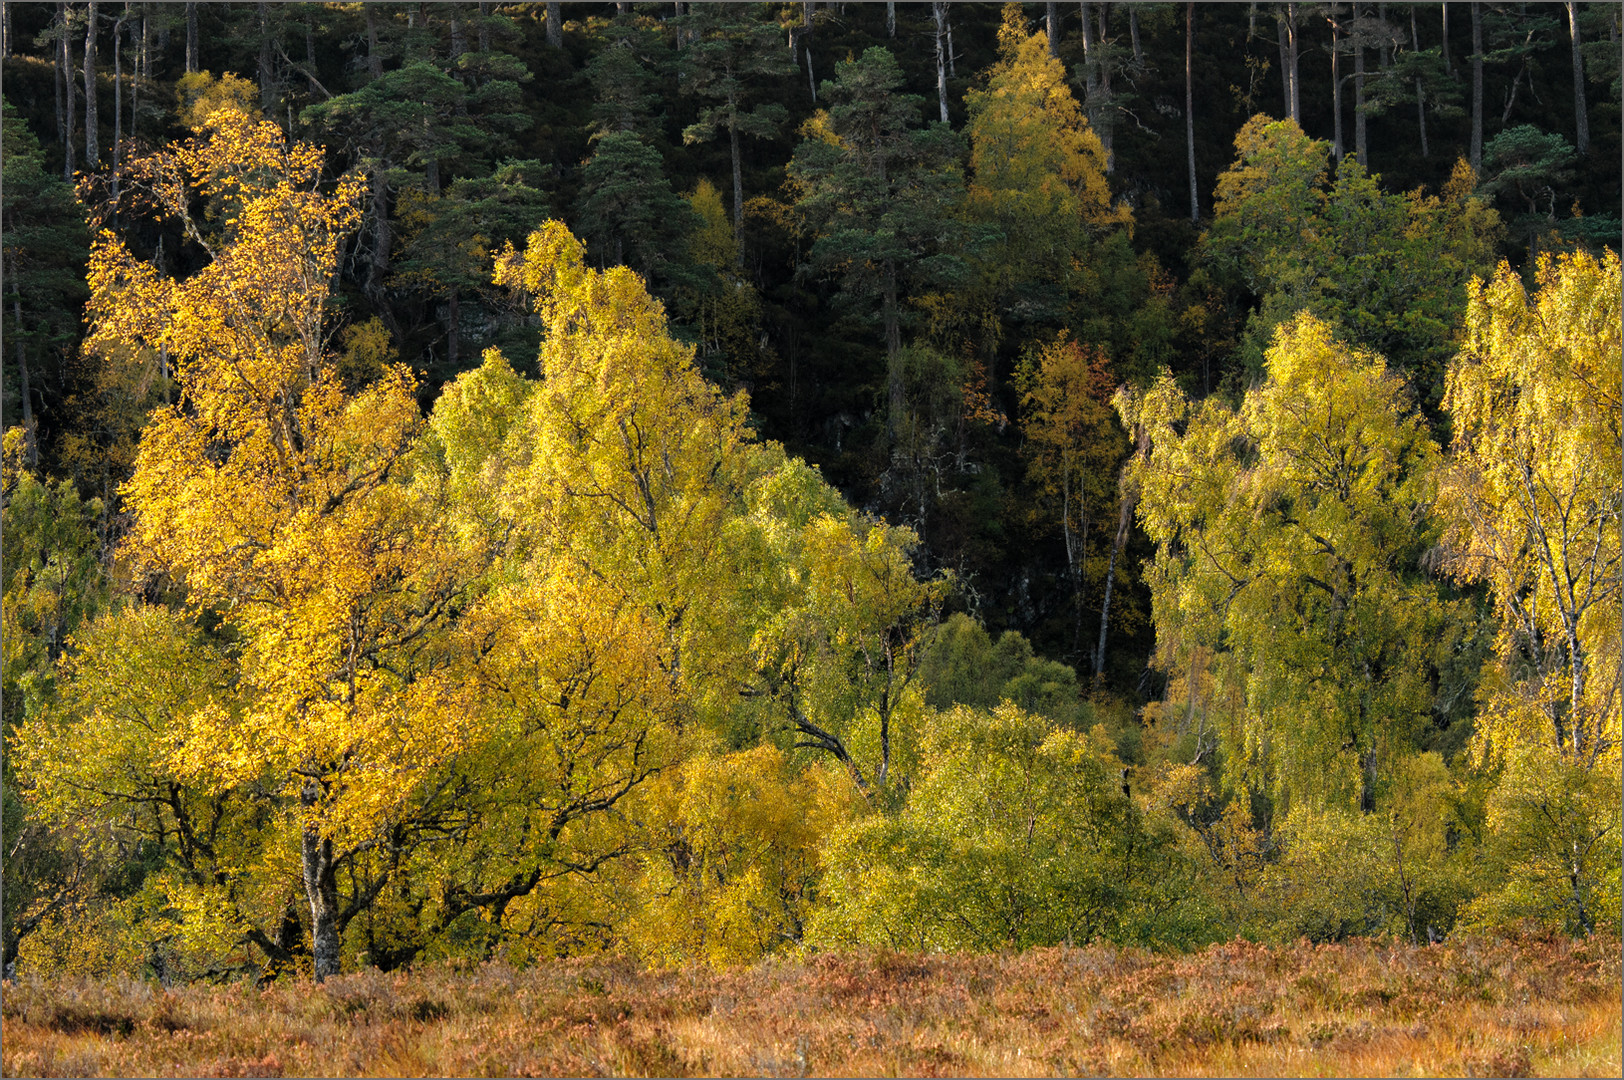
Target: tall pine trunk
<point x="191" y="38"/>
<point x="1449" y="65"/>
<point x="267" y="71"/>
<point x="1360" y="146"/>
<point x="1052" y="27"/>
<point x="1336" y="86"/>
<point x="118" y="97"/>
<point x="1420" y="87"/>
<point x="1189" y="105"/>
<point x="65" y="67"/>
<point x="92" y="121"/>
<point x="1294" y="55"/>
<point x="893" y="346"/>
<point x="807" y="8"/>
<point x="555" y="24"/>
<point x="938" y="11"/>
<point x="1090" y="59"/>
<point x="1476" y="149"/>
<point x="1581" y="121"/>
<point x="738" y="186"/>
<point x="1107" y="125"/>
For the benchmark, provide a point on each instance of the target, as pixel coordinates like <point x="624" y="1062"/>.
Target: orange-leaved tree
<point x="289" y="506"/>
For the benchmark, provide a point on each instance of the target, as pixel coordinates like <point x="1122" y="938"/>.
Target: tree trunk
<point x="1476" y="150"/>
<point x="267" y="72"/>
<point x="374" y="56"/>
<point x="1285" y="65"/>
<point x="1133" y="36"/>
<point x="555" y="24"/>
<point x="191" y="38"/>
<point x="1107" y="124"/>
<point x="1052" y="25"/>
<point x="453" y="336"/>
<point x="893" y="346"/>
<point x="1581" y="121"/>
<point x="310" y="59"/>
<point x="321" y="888"/>
<point x="1189" y="105"/>
<point x="1449" y="64"/>
<point x="1336" y="86"/>
<point x="1090" y="59"/>
<point x="30" y="444"/>
<point x="484" y="28"/>
<point x="938" y="11"/>
<point x="65" y="64"/>
<point x="1294" y="55"/>
<point x="92" y="122"/>
<point x="1126" y="518"/>
<point x="807" y="7"/>
<point x="1420" y="87"/>
<point x="1360" y="146"/>
<point x="459" y="42"/>
<point x="738" y="191"/>
<point x="56" y="82"/>
<point x="5" y="29"/>
<point x="382" y="247"/>
<point x="118" y="97"/>
<point x="891" y="18"/>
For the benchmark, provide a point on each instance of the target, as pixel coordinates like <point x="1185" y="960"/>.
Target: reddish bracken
<point x="1474" y="1006"/>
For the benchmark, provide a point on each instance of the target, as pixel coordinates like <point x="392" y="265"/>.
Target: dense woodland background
<point x="988" y="285"/>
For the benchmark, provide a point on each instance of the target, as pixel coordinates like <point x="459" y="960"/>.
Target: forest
<point x="697" y="483"/>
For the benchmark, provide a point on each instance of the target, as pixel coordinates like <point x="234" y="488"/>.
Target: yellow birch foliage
<point x="1287" y="537"/>
<point x="276" y="496"/>
<point x="1531" y="493"/>
<point x="1531" y="496"/>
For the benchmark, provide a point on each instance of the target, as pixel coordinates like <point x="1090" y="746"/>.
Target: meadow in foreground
<point x="1474" y="1006"/>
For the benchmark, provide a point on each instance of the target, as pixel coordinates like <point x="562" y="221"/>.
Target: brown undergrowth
<point x="1476" y="1006"/>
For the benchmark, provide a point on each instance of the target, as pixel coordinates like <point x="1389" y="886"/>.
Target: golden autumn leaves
<point x="423" y="662"/>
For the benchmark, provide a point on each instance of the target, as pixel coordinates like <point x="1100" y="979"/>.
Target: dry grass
<point x="1471" y="1007"/>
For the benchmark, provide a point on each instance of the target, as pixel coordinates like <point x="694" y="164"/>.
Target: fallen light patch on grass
<point x="1474" y="1007"/>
